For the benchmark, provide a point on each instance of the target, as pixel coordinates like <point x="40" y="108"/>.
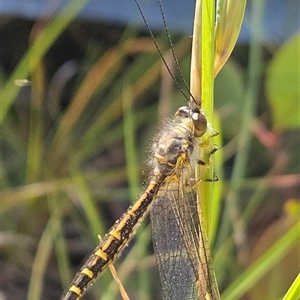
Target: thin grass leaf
<point x="118" y="281"/>
<point x="36" y="51"/>
<point x="13" y="198"/>
<point x="294" y="290"/>
<point x="246" y="280"/>
<point x="140" y="83"/>
<point x="42" y="256"/>
<point x="229" y="19"/>
<point x="62" y="257"/>
<point x="202" y="87"/>
<point x="215" y="204"/>
<point x="241" y="160"/>
<point x="87" y="203"/>
<point x="209" y="53"/>
<point x="202" y="80"/>
<point x="204" y="67"/>
<point x="98" y="77"/>
<point x="35" y="148"/>
<point x="131" y="153"/>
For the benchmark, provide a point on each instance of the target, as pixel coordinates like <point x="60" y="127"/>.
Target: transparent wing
<point x="180" y="243"/>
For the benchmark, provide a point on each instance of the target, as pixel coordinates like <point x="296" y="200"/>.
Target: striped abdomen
<point x="113" y="243"/>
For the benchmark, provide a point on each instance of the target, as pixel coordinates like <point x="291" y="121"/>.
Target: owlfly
<point x="177" y="231"/>
<point x="180" y="241"/>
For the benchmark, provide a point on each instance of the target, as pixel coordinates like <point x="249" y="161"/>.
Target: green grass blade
<point x="215" y="205"/>
<point x="88" y="204"/>
<point x="43" y="253"/>
<point x="229" y="19"/>
<point x="130" y="144"/>
<point x="262" y="265"/>
<point x="131" y="153"/>
<point x="40" y="46"/>
<point x="294" y="290"/>
<point x="35" y="144"/>
<point x="202" y="84"/>
<point x="251" y="98"/>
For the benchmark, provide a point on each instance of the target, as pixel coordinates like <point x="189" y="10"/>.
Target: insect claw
<point x="216" y="178"/>
<point x="201" y="162"/>
<point x="214" y="150"/>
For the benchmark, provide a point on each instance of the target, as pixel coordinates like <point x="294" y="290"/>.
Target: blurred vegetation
<point x="74" y="146"/>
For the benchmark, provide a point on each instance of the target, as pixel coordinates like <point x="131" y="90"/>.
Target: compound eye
<point x="200" y="124"/>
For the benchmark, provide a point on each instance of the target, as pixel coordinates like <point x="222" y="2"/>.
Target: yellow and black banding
<point x="113" y="242"/>
<point x="170" y="156"/>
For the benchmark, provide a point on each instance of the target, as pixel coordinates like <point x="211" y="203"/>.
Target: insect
<point x="180" y="243"/>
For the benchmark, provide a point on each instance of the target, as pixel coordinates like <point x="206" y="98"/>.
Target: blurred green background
<point x="75" y="141"/>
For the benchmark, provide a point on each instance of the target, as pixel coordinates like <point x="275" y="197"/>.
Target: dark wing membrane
<point x="180" y="245"/>
<point x="176" y="271"/>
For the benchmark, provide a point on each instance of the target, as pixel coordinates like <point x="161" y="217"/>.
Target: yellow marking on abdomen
<point x="75" y="290"/>
<point x="88" y="272"/>
<point x="116" y="234"/>
<point x="101" y="254"/>
<point x="131" y="212"/>
<point x="114" y="242"/>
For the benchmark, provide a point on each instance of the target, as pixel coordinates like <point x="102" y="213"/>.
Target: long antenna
<point x="172" y="49"/>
